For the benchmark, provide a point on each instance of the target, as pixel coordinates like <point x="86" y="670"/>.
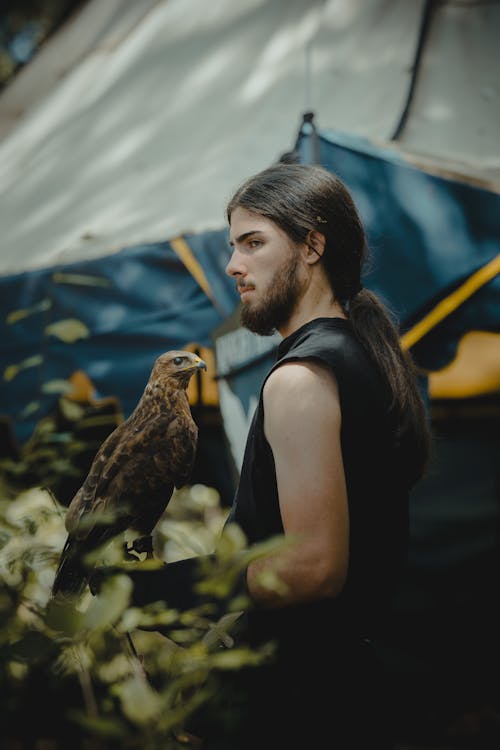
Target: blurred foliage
<point x="99" y="672"/>
<point x="60" y="450"/>
<point x="52" y="453"/>
<point x="95" y="672"/>
<point x="63" y="444"/>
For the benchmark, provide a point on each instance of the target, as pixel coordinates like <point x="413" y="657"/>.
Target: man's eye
<point x="255" y="243"/>
<point x="178" y="360"/>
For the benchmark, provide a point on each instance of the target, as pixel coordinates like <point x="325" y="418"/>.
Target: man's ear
<point x="315" y="242"/>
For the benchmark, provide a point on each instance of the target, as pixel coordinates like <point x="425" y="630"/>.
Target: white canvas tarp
<point x="138" y="119"/>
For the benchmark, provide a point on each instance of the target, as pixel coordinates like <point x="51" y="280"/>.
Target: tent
<point x="133" y="125"/>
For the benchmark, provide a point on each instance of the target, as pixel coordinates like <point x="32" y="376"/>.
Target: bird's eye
<point x="178" y="360"/>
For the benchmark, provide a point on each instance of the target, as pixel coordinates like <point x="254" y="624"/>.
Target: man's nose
<point x="234" y="266"/>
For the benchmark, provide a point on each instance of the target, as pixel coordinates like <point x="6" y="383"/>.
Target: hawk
<point x="134" y="472"/>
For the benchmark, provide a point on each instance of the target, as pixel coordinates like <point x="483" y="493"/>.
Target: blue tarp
<point x="426" y="233"/>
<point x="135" y="304"/>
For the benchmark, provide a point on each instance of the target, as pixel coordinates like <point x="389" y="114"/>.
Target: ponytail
<point x="374" y="328"/>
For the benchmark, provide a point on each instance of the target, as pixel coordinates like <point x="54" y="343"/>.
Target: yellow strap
<point x="450" y="303"/>
<point x="181" y="247"/>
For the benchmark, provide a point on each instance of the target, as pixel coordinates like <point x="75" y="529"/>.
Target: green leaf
<point x="136" y="617"/>
<point x="107" y="607"/>
<point x="15" y="315"/>
<point x="68" y="330"/>
<point x="218" y="633"/>
<point x="11" y="371"/>
<point x="117" y="669"/>
<point x="80" y="279"/>
<point x="100" y="725"/>
<point x="59" y="437"/>
<point x="62" y="617"/>
<point x="57" y="386"/>
<point x="141" y="704"/>
<point x="71" y="410"/>
<point x="236" y="658"/>
<point x="231" y="541"/>
<point x="30" y="408"/>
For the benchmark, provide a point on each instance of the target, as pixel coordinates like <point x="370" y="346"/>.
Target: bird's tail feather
<point x="71" y="575"/>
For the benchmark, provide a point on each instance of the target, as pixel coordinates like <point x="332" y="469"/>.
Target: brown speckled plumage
<point x="135" y="470"/>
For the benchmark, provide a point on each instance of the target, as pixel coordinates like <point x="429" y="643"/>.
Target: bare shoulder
<point x="297" y="386"/>
<point x="295" y="376"/>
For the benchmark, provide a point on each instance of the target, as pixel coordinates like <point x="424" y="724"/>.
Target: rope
<point x="422" y="36"/>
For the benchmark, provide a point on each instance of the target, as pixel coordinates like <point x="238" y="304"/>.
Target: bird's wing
<point x="182" y="438"/>
<point x="99" y="475"/>
<point x="164" y="458"/>
<point x="121" y="450"/>
<point x="123" y="471"/>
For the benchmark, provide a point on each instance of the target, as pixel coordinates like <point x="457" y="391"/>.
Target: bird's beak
<point x="199" y="363"/>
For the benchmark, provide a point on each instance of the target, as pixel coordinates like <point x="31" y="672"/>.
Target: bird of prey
<point x="134" y="472"/>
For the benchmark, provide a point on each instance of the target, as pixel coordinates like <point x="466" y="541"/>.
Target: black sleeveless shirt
<point x="377" y="488"/>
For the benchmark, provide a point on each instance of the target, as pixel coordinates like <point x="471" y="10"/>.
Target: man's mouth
<point x="242" y="290"/>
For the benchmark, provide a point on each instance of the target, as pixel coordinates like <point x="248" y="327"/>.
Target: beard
<point x="279" y="303"/>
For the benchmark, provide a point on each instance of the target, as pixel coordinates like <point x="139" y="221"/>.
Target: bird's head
<point x="179" y="366"/>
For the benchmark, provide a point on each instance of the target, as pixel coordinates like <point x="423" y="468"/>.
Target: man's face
<point x="265" y="264"/>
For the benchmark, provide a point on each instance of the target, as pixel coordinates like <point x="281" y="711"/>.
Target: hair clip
<point x="320" y="220"/>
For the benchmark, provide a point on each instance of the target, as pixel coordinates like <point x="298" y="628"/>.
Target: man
<point x="338" y="438"/>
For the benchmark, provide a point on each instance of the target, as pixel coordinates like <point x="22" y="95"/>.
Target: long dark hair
<point x="301" y="198"/>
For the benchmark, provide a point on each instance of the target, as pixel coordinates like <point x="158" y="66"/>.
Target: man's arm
<point x="302" y="425"/>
